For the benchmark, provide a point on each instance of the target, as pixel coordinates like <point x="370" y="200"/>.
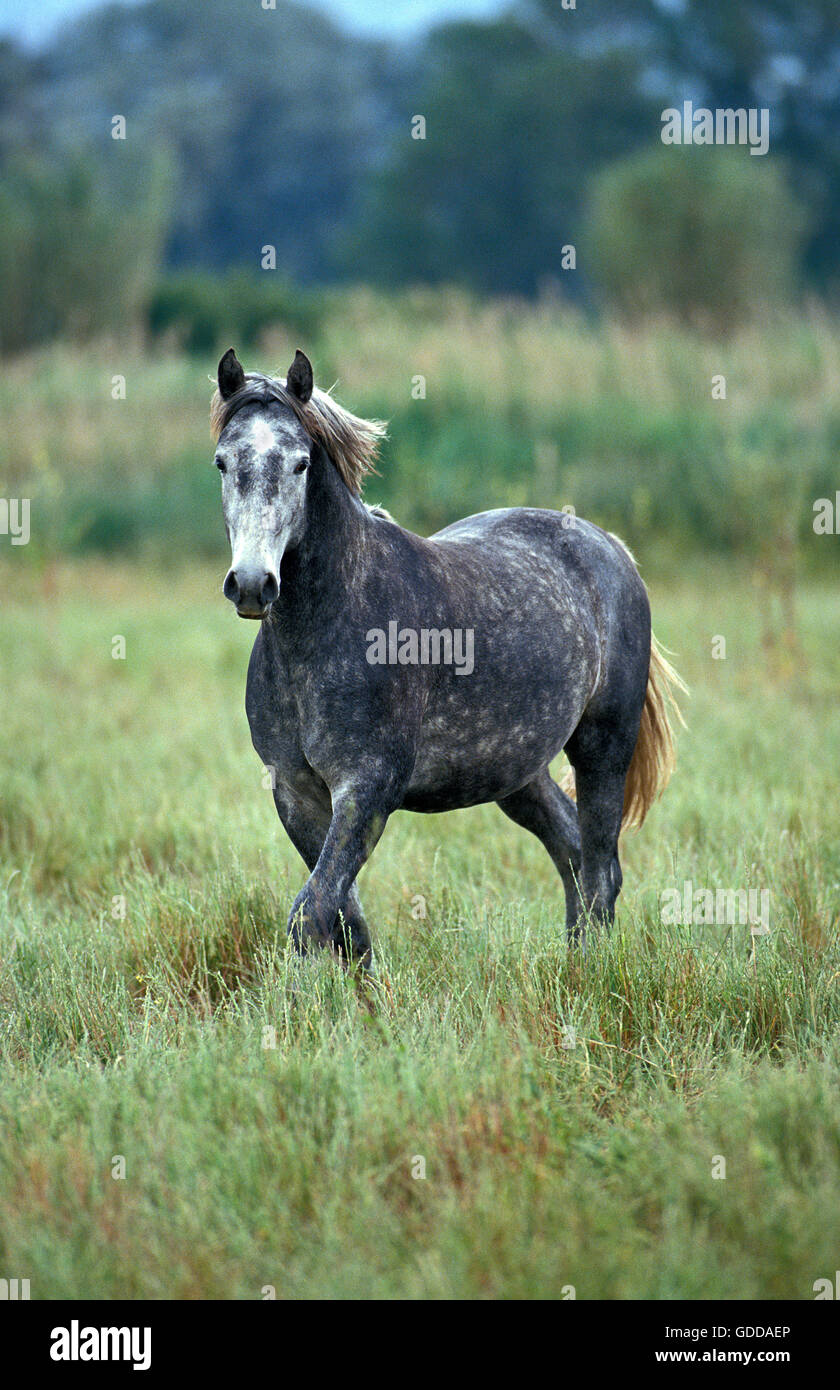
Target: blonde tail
<point x="655" y="754"/>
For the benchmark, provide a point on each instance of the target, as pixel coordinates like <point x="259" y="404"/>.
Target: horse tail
<point x="655" y="754"/>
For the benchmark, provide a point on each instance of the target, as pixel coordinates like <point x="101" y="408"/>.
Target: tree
<point x="78" y="251"/>
<point x="493" y="192"/>
<point x="779" y="54"/>
<point x="708" y="235"/>
<point x="272" y="117"/>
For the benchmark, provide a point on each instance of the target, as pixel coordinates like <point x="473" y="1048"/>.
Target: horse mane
<point x="351" y="442"/>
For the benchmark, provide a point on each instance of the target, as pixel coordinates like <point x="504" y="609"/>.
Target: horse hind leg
<point x="600" y="756"/>
<point x="548" y="813"/>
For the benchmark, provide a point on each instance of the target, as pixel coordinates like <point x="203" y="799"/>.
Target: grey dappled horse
<point x="394" y="672"/>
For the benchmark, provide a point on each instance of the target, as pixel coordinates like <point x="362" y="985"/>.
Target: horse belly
<point x="460" y="765"/>
<point x="487" y="733"/>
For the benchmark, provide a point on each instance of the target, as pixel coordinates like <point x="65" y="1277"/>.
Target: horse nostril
<point x="270" y="589"/>
<point x="230" y="588"/>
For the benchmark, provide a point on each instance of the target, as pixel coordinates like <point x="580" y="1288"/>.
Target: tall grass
<point x="522" y="405"/>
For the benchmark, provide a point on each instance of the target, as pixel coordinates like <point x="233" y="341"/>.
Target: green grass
<point x="547" y="1166"/>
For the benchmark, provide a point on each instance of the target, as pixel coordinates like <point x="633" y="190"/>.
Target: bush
<point x="206" y="311"/>
<point x="708" y="235"/>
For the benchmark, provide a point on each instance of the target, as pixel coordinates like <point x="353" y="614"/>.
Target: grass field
<point x="130" y="783"/>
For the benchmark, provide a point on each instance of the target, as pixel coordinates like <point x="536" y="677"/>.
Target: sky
<point x="32" y="21"/>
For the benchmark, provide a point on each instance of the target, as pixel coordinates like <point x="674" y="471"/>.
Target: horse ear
<point x="231" y="375"/>
<point x="300" y="381"/>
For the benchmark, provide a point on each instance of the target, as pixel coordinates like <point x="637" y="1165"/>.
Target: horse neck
<point x="318" y="574"/>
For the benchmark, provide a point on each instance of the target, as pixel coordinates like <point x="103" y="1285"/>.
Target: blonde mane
<point x="351" y="442"/>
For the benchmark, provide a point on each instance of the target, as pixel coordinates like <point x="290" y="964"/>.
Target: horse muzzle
<point x="251" y="593"/>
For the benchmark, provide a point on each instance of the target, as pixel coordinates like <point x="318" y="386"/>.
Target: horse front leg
<point x="307" y="822"/>
<point x="359" y="815"/>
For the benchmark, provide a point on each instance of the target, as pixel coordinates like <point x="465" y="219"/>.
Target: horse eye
<point x="301" y="467"/>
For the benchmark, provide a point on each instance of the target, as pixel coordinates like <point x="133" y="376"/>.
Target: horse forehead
<point x="261" y="433"/>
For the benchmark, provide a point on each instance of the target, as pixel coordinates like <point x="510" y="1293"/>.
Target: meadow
<point x="186" y="1109"/>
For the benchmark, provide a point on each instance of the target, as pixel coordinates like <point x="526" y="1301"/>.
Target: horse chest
<point x="272" y="708"/>
<point x="293" y="714"/>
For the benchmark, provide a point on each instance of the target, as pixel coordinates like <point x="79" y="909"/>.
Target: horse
<point x="362" y="700"/>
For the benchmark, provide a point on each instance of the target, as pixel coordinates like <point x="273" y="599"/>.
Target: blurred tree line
<point x="249" y="127"/>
